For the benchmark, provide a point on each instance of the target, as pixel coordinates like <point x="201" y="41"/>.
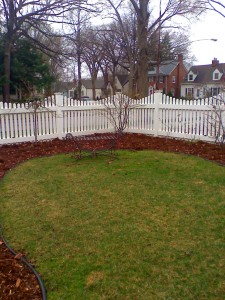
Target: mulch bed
<point x="16" y="280"/>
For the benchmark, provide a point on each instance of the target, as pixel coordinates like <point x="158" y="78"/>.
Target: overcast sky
<point x="211" y="26"/>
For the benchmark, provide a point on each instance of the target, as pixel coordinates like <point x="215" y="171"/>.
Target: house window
<point x="216" y="76"/>
<point x="190" y="77"/>
<point x="173" y="79"/>
<point x="189" y="92"/>
<point x="150" y="79"/>
<point x="198" y="93"/>
<point x="215" y="91"/>
<point x="160" y="79"/>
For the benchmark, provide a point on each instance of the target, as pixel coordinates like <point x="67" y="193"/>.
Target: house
<point x="121" y="85"/>
<point x="86" y="88"/>
<point x="167" y="76"/>
<point x="204" y="80"/>
<point x="68" y="89"/>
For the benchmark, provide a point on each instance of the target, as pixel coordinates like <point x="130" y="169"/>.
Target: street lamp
<point x="200" y="40"/>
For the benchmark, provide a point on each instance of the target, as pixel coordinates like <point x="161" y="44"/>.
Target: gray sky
<point x="211" y="26"/>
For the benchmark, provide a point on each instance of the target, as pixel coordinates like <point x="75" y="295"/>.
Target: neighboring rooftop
<point x="123" y="79"/>
<point x="99" y="83"/>
<point x="204" y="72"/>
<point x="165" y="67"/>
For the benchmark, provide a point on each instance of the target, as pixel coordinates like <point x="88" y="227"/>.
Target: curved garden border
<point x="23" y="259"/>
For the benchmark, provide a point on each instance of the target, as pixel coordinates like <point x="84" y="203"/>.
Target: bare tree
<point x="78" y="21"/>
<point x="92" y="54"/>
<point x="126" y="33"/>
<point x="146" y="24"/>
<point x="18" y="17"/>
<point x="54" y="51"/>
<point x="113" y="53"/>
<point x="142" y="12"/>
<point x="216" y="6"/>
<point x="117" y="109"/>
<point x="36" y="105"/>
<point x="130" y="50"/>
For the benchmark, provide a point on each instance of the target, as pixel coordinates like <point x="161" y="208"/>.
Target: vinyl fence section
<point x="166" y="116"/>
<point x="157" y="115"/>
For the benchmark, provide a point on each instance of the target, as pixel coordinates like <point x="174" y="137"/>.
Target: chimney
<point x="180" y="58"/>
<point x="215" y="62"/>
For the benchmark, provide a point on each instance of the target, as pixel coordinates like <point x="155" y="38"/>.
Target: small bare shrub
<point x="217" y="118"/>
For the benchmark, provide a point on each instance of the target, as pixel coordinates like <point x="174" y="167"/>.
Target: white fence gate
<point x="157" y="114"/>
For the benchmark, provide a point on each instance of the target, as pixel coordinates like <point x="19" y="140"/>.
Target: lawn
<point x="146" y="225"/>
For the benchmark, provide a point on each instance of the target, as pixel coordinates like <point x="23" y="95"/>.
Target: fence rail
<point x="157" y="114"/>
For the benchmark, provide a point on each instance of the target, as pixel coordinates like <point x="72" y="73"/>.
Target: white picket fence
<point x="158" y="115"/>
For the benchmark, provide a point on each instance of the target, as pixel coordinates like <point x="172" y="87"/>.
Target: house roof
<point x="165" y="67"/>
<point x="99" y="83"/>
<point x="205" y="72"/>
<point x="123" y="79"/>
<point x="61" y="86"/>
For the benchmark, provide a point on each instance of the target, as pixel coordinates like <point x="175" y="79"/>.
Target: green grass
<point x="147" y="225"/>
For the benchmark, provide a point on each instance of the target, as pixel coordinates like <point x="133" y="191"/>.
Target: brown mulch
<point x="16" y="280"/>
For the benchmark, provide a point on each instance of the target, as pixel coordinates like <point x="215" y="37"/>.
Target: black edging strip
<point x="41" y="284"/>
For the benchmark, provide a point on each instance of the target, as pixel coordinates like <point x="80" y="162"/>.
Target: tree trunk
<point x="106" y="81"/>
<point x="8" y="42"/>
<point x="132" y="84"/>
<point x="143" y="58"/>
<point x="141" y="10"/>
<point x="93" y="79"/>
<point x="7" y="63"/>
<point x="79" y="54"/>
<point x="114" y="80"/>
<point x="79" y="77"/>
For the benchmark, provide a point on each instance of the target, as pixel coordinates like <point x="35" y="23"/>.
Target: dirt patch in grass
<point x="94" y="278"/>
<point x="16" y="280"/>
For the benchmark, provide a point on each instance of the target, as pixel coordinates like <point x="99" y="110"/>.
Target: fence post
<point x="58" y="99"/>
<point x="157" y="101"/>
<point x="59" y="114"/>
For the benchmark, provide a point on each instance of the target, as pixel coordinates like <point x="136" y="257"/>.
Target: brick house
<point x="170" y="75"/>
<point x="204" y="80"/>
